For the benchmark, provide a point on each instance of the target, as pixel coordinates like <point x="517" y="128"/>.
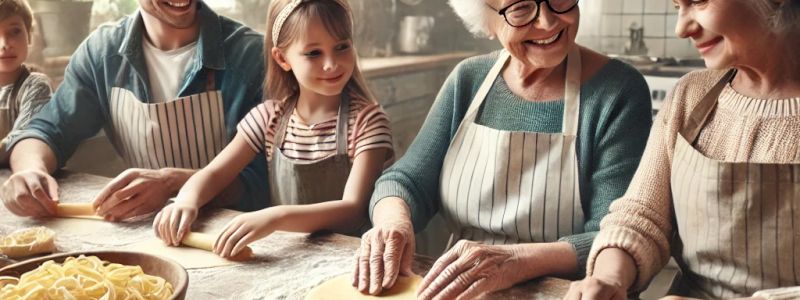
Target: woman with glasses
<point x="522" y="153"/>
<point x="719" y="184"/>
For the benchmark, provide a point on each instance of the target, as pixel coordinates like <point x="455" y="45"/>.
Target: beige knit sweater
<point x="742" y="129"/>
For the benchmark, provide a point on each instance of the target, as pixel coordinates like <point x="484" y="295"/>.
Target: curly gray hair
<point x="475" y="14"/>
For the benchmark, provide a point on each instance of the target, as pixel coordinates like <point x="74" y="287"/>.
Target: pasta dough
<point x="85" y="278"/>
<point x="27" y="242"/>
<point x="342" y="288"/>
<point x="206" y="242"/>
<point x="77" y="210"/>
<point x="197" y="253"/>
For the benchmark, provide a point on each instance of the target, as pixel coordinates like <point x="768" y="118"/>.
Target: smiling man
<point x="168" y="85"/>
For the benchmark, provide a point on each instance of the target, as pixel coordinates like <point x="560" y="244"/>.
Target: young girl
<point x="324" y="135"/>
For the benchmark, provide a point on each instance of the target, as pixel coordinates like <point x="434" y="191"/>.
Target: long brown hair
<point x="338" y="20"/>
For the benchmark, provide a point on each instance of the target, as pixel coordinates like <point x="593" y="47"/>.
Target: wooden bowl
<point x="165" y="268"/>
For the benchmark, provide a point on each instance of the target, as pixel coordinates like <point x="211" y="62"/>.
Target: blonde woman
<point x="325" y="137"/>
<point x="718" y="185"/>
<point x="522" y="152"/>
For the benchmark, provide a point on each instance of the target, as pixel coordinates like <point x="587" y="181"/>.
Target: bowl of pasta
<point x="94" y="275"/>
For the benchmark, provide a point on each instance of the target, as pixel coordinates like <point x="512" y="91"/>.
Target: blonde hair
<point x="9" y="8"/>
<point x="336" y="17"/>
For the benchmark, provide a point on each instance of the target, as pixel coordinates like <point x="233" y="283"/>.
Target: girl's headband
<point x="282" y="16"/>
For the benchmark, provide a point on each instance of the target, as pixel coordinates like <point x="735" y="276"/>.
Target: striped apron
<point x="301" y="182"/>
<point x="9" y="113"/>
<point x="503" y="187"/>
<point x="187" y="132"/>
<point x="738" y="224"/>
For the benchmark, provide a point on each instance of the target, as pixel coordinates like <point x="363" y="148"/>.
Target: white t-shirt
<point x="166" y="69"/>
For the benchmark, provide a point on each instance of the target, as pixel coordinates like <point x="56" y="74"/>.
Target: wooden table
<point x="287" y="265"/>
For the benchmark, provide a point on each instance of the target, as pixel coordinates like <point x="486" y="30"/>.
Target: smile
<point x="177" y="4"/>
<point x="546" y="41"/>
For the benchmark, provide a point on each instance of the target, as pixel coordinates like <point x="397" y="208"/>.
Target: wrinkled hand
<point x="470" y="270"/>
<point x="594" y="288"/>
<point x="133" y="193"/>
<point x="386" y="251"/>
<point x="174" y="221"/>
<point x="245" y="229"/>
<point x="30" y="193"/>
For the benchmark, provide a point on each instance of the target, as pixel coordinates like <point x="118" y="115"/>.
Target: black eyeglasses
<point x="523" y="12"/>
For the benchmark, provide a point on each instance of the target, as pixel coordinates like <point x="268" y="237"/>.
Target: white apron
<point x="183" y="133"/>
<point x="503" y="187"/>
<point x="737" y="223"/>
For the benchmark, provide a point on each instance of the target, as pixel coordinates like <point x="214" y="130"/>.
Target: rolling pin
<point x="206" y="242"/>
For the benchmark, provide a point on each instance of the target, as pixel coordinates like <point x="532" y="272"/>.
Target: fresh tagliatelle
<point x="85" y="278"/>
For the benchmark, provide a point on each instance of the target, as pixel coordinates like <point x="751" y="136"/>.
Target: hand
<point x="245" y="229"/>
<point x="30" y="193"/>
<point x="595" y="288"/>
<point x="386" y="251"/>
<point x="470" y="270"/>
<point x="133" y="193"/>
<point x="174" y="221"/>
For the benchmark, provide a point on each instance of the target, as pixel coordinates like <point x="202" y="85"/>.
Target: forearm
<point x="540" y="259"/>
<point x="390" y="210"/>
<point x="33" y="154"/>
<point x="195" y="187"/>
<point x="615" y="266"/>
<point x="341" y="216"/>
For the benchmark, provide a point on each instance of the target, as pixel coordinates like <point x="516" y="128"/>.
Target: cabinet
<point x="406" y="87"/>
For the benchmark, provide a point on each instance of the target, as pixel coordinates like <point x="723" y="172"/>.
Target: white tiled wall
<point x="605" y="23"/>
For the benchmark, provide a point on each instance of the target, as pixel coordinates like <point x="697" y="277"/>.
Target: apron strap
<point x="477" y="101"/>
<point x="17" y="86"/>
<point x="343" y="120"/>
<point x="572" y="93"/>
<point x="211" y="79"/>
<point x="288" y="108"/>
<point x="701" y="112"/>
<point x="123" y="68"/>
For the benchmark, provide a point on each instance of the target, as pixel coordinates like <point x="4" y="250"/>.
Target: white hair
<point x="475" y="14"/>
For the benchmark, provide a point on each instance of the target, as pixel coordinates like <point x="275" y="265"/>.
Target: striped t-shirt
<point x="368" y="128"/>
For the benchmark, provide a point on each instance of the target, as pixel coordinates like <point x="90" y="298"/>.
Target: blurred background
<point x="407" y="47"/>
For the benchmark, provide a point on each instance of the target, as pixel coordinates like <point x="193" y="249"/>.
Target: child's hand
<point x="245" y="229"/>
<point x="174" y="222"/>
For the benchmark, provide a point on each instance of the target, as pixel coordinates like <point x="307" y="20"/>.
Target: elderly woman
<point x="719" y="183"/>
<point x="522" y="153"/>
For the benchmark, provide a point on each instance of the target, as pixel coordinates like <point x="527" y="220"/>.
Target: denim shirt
<point x="80" y="107"/>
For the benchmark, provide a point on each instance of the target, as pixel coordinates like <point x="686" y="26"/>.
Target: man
<point x="168" y="85"/>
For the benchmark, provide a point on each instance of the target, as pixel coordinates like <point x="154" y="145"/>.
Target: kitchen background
<point x="407" y="48"/>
